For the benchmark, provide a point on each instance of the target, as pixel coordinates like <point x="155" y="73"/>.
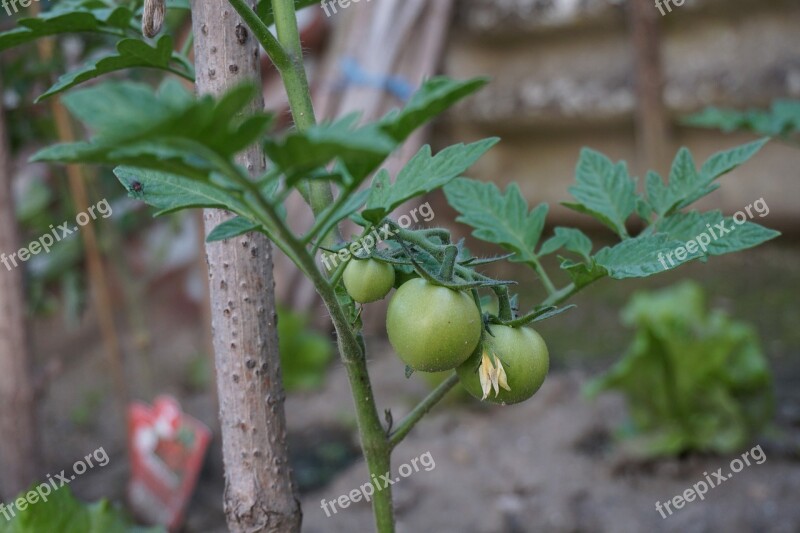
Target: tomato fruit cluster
<point x="433" y="328"/>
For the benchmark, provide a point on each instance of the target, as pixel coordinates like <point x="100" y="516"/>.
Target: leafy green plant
<point x="62" y="512"/>
<point x="175" y="151"/>
<point x="781" y="120"/>
<point x="694" y="380"/>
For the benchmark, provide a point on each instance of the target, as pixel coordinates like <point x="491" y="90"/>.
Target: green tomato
<point x="433" y="328"/>
<point x="368" y="280"/>
<point x="525" y="359"/>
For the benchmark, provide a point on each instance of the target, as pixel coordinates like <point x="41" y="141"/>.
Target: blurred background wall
<point x="564" y="75"/>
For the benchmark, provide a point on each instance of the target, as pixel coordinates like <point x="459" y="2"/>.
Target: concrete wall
<point x="562" y="77"/>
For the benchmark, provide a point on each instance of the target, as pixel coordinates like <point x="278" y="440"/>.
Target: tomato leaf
<point x="130" y="53"/>
<point x="169" y="192"/>
<point x="722" y="235"/>
<point x="434" y="97"/>
<point x="67" y="19"/>
<point x="570" y="239"/>
<point x="423" y="174"/>
<point x="168" y="131"/>
<point x="502" y="219"/>
<point x="636" y="258"/>
<point x="232" y="228"/>
<point x="687" y="184"/>
<point x="356" y="147"/>
<point x="604" y="191"/>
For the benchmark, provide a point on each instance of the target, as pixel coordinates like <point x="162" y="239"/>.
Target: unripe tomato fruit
<point x="432" y="328"/>
<point x="368" y="280"/>
<point x="525" y="359"/>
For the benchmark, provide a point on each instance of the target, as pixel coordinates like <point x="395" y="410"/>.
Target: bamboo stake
<point x="98" y="280"/>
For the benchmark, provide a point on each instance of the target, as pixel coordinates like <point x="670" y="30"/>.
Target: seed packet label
<point x="167" y="448"/>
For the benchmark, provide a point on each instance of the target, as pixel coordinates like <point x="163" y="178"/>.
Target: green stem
<point x="187" y="45"/>
<point x="293" y="74"/>
<point x="546" y="281"/>
<point x="448" y="263"/>
<point x="504" y="311"/>
<point x="374" y="442"/>
<point x="274" y="49"/>
<point x="408" y="423"/>
<point x="562" y="295"/>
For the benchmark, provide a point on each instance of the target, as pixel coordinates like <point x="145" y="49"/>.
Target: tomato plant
<point x="176" y="151"/>
<point x="368" y="280"/>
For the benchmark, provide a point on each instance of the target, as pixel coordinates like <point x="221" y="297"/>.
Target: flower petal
<point x="484" y="372"/>
<point x="502" y="379"/>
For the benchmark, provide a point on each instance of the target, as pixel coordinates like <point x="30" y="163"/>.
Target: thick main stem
<point x="374" y="441"/>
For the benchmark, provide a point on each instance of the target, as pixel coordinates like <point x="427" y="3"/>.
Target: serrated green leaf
<point x="721" y="235"/>
<point x="302" y="151"/>
<point x="131" y="53"/>
<point x="637" y="258"/>
<point x="423" y="174"/>
<point x="604" y="191"/>
<point x="687" y="184"/>
<point x="723" y="162"/>
<point x="169" y="131"/>
<point x="355" y="202"/>
<point x="232" y="228"/>
<point x="499" y="218"/>
<point x="169" y="192"/>
<point x="434" y="97"/>
<point x="582" y="274"/>
<point x="60" y="21"/>
<point x="124" y="110"/>
<point x="570" y="239"/>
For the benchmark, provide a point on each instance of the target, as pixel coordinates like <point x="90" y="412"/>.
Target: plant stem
<point x="546" y="281"/>
<point x="320" y="194"/>
<point x="274" y="50"/>
<point x="448" y="263"/>
<point x="562" y="295"/>
<point x="416" y="414"/>
<point x="504" y="311"/>
<point x="374" y="442"/>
